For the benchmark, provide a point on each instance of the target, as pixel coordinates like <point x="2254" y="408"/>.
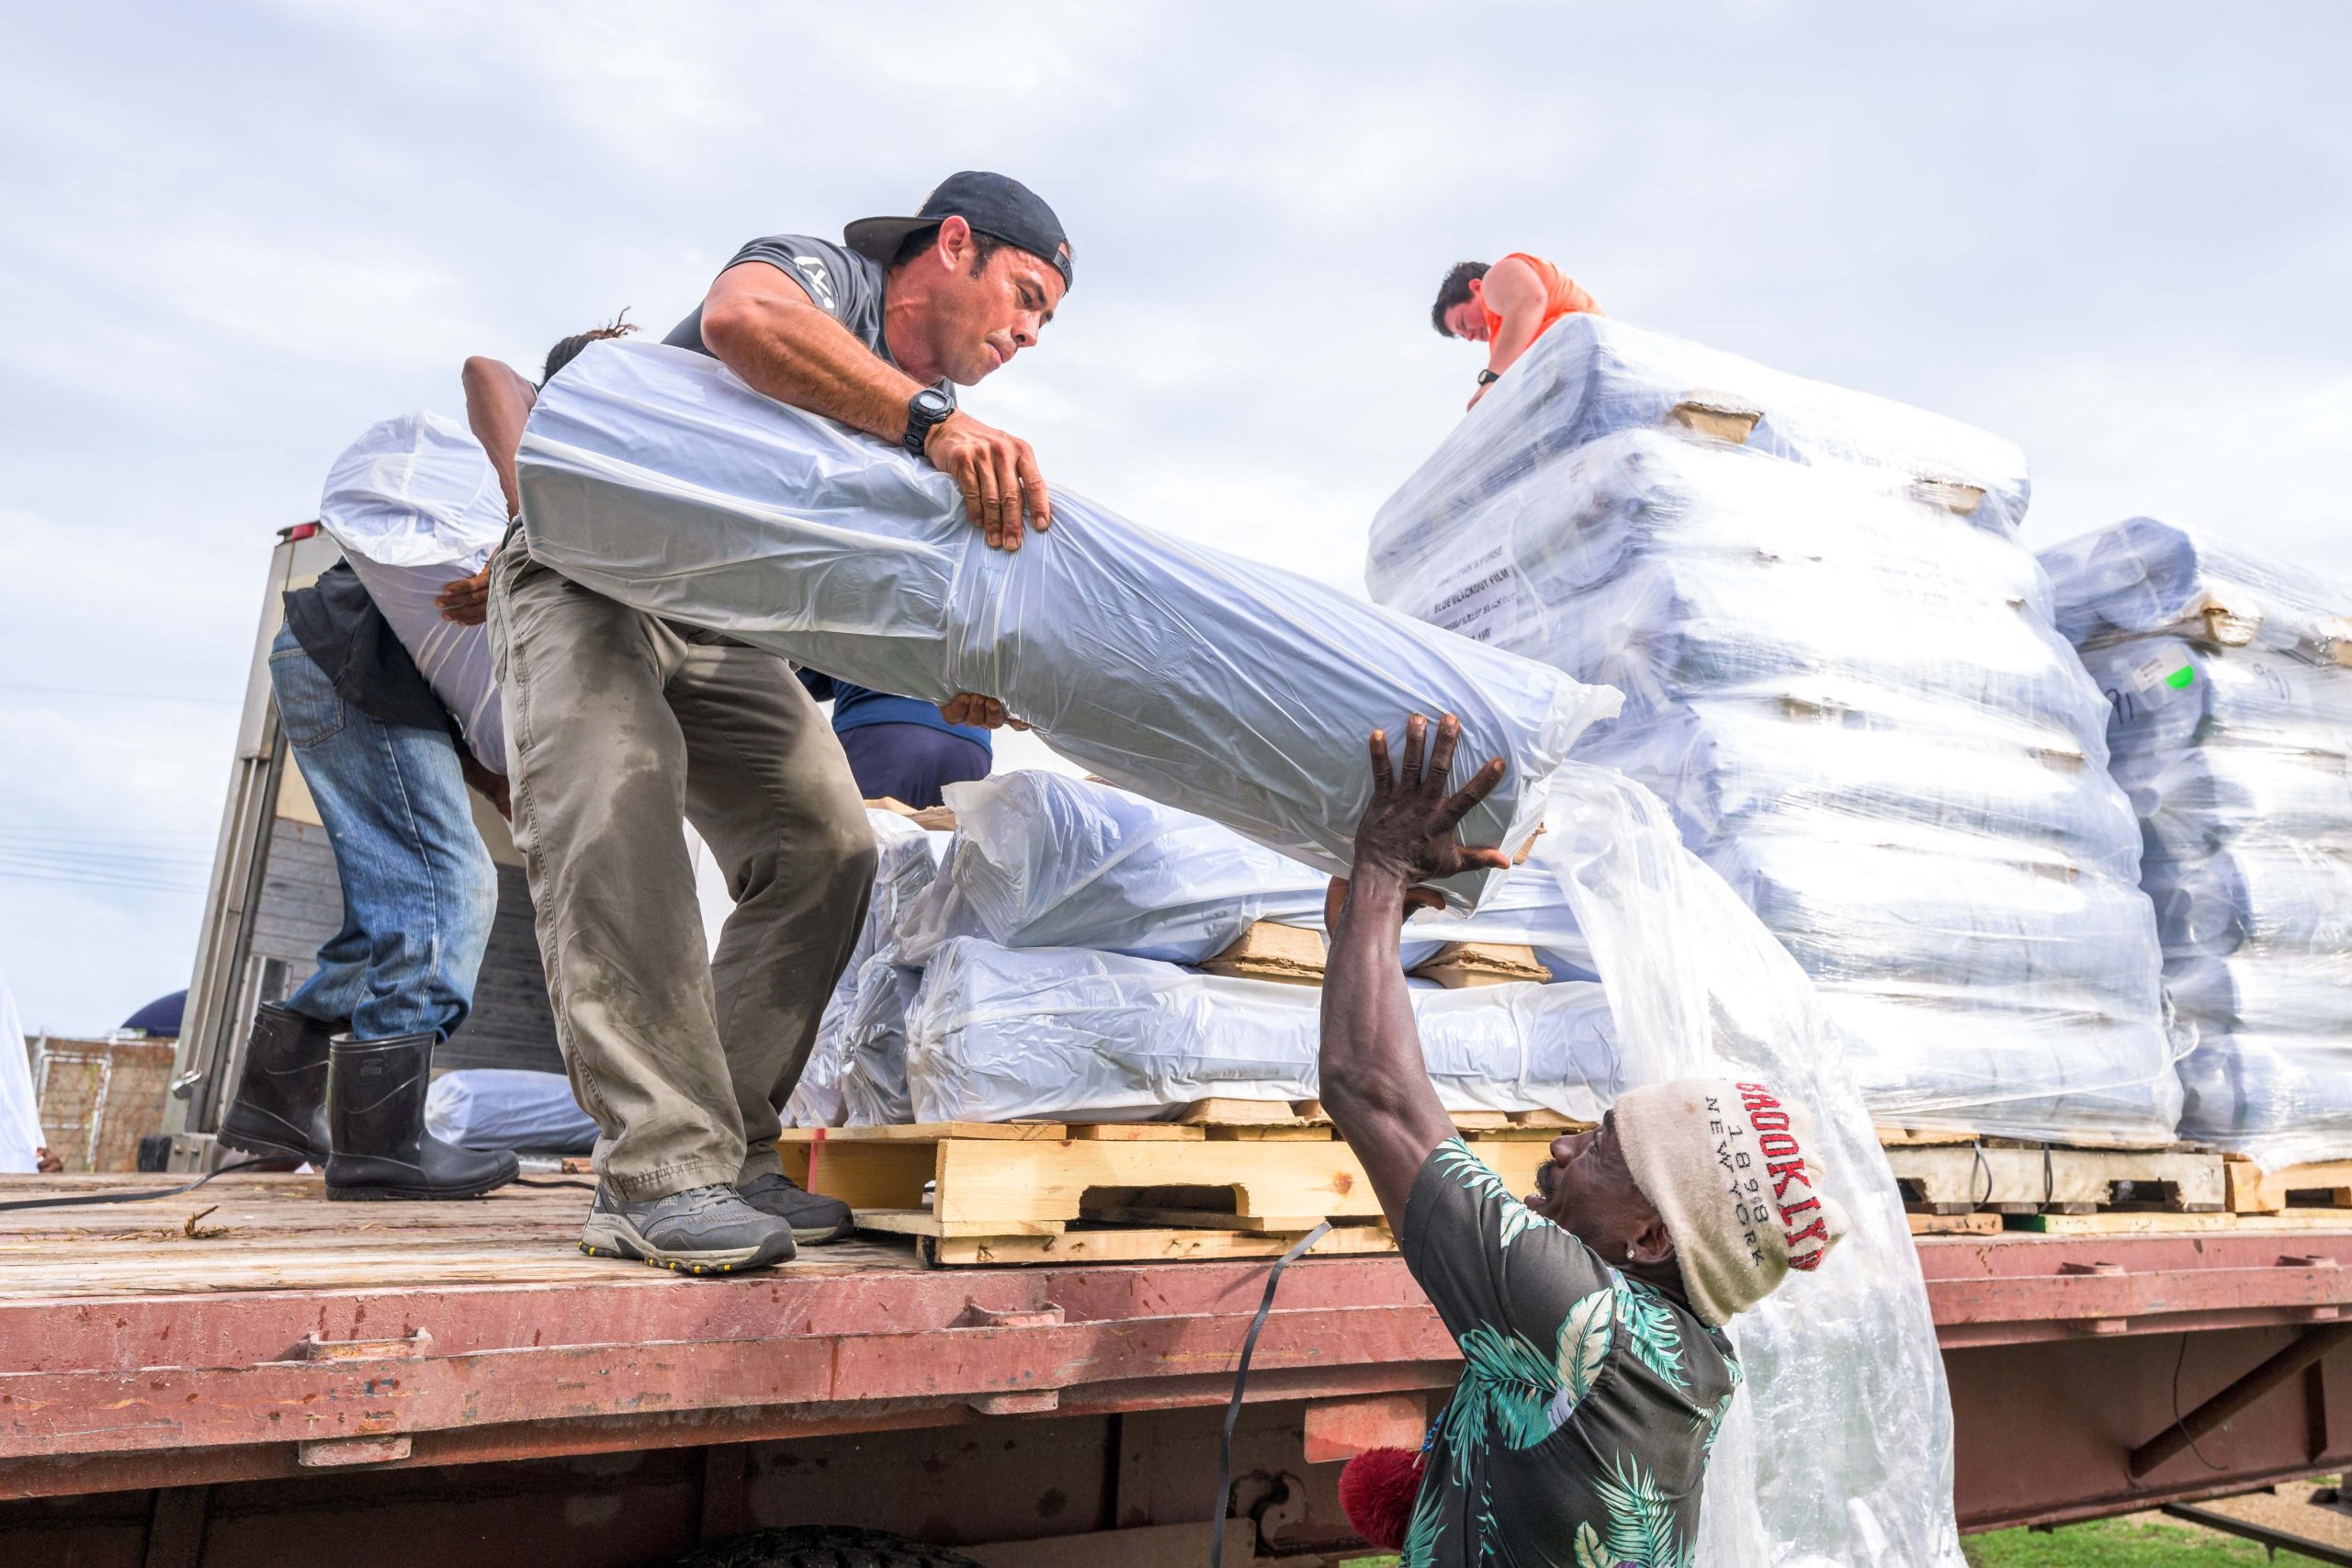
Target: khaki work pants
<point x="618" y="725"/>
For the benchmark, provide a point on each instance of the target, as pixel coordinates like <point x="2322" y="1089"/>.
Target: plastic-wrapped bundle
<point x="506" y="1108"/>
<point x="1043" y="860"/>
<point x="874" y="1044"/>
<point x="1206" y="682"/>
<point x="1843" y="674"/>
<point x="1731" y="771"/>
<point x="903" y="868"/>
<point x="2232" y="731"/>
<point x="2145" y="575"/>
<point x="415" y="506"/>
<point x="1675" y="570"/>
<point x="1000" y="1033"/>
<point x="1589" y="376"/>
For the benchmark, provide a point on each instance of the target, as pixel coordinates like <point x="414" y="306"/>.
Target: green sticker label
<point x="2183" y="678"/>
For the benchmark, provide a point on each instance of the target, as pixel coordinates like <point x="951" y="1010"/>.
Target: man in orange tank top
<point x="1507" y="307"/>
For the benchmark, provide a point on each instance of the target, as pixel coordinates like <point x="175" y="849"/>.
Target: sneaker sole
<point x="819" y="1235"/>
<point x="610" y="1236"/>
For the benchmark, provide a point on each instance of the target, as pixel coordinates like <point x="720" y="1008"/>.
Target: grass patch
<point x="2119" y="1543"/>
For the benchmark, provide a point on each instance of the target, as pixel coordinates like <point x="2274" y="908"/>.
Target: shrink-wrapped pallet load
<point x="1841" y="673"/>
<point x="1071" y="1034"/>
<point x="2231" y="728"/>
<point x="1205" y="681"/>
<point x="904" y="867"/>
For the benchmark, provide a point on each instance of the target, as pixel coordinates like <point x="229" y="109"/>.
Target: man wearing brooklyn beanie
<point x="1589" y="1313"/>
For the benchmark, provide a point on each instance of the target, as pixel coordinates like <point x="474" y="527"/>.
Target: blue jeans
<point x="419" y="887"/>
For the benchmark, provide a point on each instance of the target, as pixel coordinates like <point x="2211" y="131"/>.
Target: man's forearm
<point x="1371" y="1073"/>
<point x="797" y="355"/>
<point x="498" y="404"/>
<point x="1512" y="339"/>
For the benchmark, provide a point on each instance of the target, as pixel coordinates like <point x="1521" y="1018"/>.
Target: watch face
<point x="934" y="403"/>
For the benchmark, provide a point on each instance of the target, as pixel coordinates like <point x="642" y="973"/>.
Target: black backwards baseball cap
<point x="993" y="205"/>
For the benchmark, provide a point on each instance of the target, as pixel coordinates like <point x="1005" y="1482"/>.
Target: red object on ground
<point x="1377" y="1490"/>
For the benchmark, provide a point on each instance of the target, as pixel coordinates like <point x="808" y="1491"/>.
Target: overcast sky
<point x="237" y="235"/>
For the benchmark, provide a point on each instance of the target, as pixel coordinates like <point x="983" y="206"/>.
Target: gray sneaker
<point x="704" y="1230"/>
<point x="814" y="1220"/>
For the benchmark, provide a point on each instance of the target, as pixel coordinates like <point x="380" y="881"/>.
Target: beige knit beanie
<point x="1730" y="1168"/>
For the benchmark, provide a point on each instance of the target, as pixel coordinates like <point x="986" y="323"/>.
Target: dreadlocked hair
<point x="568" y="349"/>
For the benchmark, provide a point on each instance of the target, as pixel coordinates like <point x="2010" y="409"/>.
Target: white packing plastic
<point x="1209" y="683"/>
<point x="415" y="506"/>
<point x="506" y="1108"/>
<point x="2231" y="729"/>
<point x="1001" y="1034"/>
<point x="20" y="1135"/>
<point x="874" y="1044"/>
<point x="1841" y="1452"/>
<point x="904" y="867"/>
<point x="1045" y="860"/>
<point x="1843" y="677"/>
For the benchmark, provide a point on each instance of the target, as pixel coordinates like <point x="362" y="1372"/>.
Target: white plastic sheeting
<point x="508" y="1108"/>
<point x="904" y="867"/>
<point x="1842" y="675"/>
<point x="2238" y="756"/>
<point x="999" y="1035"/>
<point x="415" y="506"/>
<point x="1043" y="860"/>
<point x="1841" y="1451"/>
<point x="1206" y="682"/>
<point x="20" y="1134"/>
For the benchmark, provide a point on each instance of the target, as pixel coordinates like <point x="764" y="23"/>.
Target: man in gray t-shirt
<point x="898" y="748"/>
<point x="619" y="719"/>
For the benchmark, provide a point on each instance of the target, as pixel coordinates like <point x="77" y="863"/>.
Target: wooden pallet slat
<point x="1269" y="950"/>
<point x="2026" y="1178"/>
<point x="1459" y="964"/>
<point x="2254" y="1190"/>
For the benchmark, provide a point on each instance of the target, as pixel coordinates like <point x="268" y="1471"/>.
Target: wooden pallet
<point x="1717" y="417"/>
<point x="2024" y="1179"/>
<point x="930" y="819"/>
<point x="2254" y="1190"/>
<point x="1049" y="1191"/>
<point x="1293" y="955"/>
<point x="2138" y="1223"/>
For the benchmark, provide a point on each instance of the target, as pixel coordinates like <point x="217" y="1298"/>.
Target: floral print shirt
<point x="1578" y="1434"/>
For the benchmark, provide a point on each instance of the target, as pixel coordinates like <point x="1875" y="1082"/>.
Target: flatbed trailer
<point x="252" y="1374"/>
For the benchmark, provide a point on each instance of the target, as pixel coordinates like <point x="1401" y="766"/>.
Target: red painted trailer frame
<point x="1020" y="1412"/>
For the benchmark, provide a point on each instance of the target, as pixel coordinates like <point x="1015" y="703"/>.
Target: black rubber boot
<point x="281" y="1104"/>
<point x="376" y="1106"/>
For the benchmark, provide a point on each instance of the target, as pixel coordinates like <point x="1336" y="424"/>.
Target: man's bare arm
<point x="498" y="404"/>
<point x="762" y="325"/>
<point x="1373" y="1079"/>
<point x="1515" y="292"/>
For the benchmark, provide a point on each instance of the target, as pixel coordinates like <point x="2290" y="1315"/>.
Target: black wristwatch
<point x="1488" y="377"/>
<point x="926" y="410"/>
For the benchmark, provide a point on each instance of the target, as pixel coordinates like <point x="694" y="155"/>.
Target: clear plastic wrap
<point x="507" y="1108"/>
<point x="1043" y="860"/>
<point x="415" y="506"/>
<point x="1843" y="676"/>
<point x="1206" y="682"/>
<point x="1589" y="376"/>
<point x="1000" y="1033"/>
<point x="1843" y="1372"/>
<point x="2231" y="730"/>
<point x="874" y="1044"/>
<point x="904" y="868"/>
